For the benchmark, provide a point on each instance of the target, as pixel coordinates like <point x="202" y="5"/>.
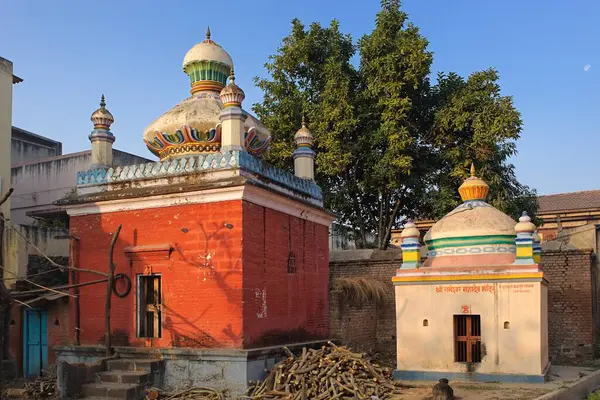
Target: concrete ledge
<point x="579" y="390"/>
<point x="206" y="354"/>
<point x="465" y="376"/>
<point x="79" y="354"/>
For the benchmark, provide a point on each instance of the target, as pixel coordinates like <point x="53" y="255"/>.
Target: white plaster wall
<point x="6" y="87"/>
<point x="39" y="184"/>
<point x="517" y="350"/>
<point x="6" y="79"/>
<point x="27" y="146"/>
<point x="544" y="317"/>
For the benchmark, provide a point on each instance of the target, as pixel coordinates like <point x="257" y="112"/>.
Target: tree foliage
<point x="390" y="143"/>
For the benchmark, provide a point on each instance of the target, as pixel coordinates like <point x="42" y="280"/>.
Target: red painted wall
<point x="280" y="307"/>
<point x="221" y="287"/>
<point x="201" y="278"/>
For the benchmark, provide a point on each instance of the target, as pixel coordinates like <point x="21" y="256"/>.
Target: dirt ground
<point x="559" y="376"/>
<point x="476" y="393"/>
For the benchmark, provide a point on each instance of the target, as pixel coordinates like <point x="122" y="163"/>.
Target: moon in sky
<point x="587" y="67"/>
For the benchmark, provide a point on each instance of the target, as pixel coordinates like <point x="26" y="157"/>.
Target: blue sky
<point x="70" y="52"/>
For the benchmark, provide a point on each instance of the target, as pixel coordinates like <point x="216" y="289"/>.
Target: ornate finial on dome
<point x="232" y="95"/>
<point x="411" y="247"/>
<point x="525" y="224"/>
<point x="303" y="137"/>
<point x="102" y="118"/>
<point x="410" y="230"/>
<point x="208" y="33"/>
<point x="473" y="188"/>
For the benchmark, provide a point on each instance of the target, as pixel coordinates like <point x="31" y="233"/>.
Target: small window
<point x="425" y="322"/>
<point x="506" y="325"/>
<point x="467" y="338"/>
<point x="291" y="265"/>
<point x="149" y="306"/>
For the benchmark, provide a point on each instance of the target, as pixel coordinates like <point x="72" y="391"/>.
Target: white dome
<point x="472" y="219"/>
<point x="207" y="51"/>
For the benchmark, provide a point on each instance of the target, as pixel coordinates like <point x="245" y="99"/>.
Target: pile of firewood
<point x="195" y="393"/>
<point x="43" y="387"/>
<point x="331" y="372"/>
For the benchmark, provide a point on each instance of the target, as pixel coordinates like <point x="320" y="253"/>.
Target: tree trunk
<point x="361" y="221"/>
<point x="109" y="288"/>
<point x="390" y="225"/>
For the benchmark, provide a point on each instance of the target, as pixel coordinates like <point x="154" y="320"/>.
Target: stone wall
<point x="572" y="294"/>
<point x="572" y="317"/>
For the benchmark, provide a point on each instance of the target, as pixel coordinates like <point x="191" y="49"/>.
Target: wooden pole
<point x="74" y="281"/>
<point x="5" y="299"/>
<point x="109" y="287"/>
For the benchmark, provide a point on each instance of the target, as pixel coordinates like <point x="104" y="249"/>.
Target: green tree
<point x="474" y="123"/>
<point x="394" y="65"/>
<point x="390" y="144"/>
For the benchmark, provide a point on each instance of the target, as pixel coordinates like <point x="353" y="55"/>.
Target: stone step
<point x="120" y="391"/>
<point x="124" y="364"/>
<point x="132" y="377"/>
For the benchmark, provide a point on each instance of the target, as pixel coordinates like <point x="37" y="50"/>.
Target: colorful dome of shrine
<point x="102" y="118"/>
<point x="474" y="233"/>
<point x="193" y="126"/>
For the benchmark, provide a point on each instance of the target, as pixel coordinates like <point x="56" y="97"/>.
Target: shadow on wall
<point x="220" y="278"/>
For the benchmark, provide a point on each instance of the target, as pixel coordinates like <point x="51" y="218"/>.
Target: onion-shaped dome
<point x="207" y="65"/>
<point x="304" y="136"/>
<point x="193" y="125"/>
<point x="410" y="230"/>
<point x="102" y="118"/>
<point x="232" y="95"/>
<point x="474" y="233"/>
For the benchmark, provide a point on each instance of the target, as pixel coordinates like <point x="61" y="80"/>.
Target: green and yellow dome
<point x="474" y="233"/>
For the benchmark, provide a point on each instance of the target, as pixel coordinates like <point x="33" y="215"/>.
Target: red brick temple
<point x="222" y="258"/>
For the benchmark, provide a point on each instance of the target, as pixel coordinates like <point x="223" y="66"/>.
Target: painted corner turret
<point x="232" y="116"/>
<point x="304" y="156"/>
<point x="101" y="137"/>
<point x="525" y="230"/>
<point x="411" y="246"/>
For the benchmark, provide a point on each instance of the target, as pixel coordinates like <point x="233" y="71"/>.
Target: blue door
<point x="35" y="342"/>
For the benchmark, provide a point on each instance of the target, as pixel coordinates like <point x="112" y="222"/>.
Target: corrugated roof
<point x="45" y="297"/>
<point x="585" y="200"/>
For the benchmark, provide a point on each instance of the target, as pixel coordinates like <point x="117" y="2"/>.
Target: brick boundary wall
<point x="572" y="296"/>
<point x="370" y="327"/>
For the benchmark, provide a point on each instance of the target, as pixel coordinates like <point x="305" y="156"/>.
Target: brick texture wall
<point x="225" y="284"/>
<point x="282" y="306"/>
<point x="370" y="327"/>
<point x="572" y="317"/>
<point x="201" y="278"/>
